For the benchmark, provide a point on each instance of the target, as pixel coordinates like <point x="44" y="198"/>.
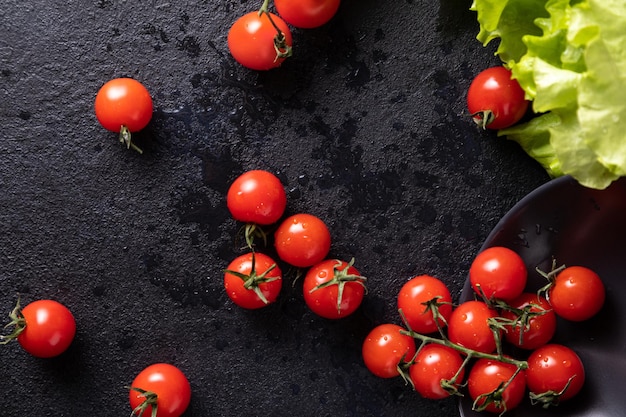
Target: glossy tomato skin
<point x="468" y="326"/>
<point x="494" y="90"/>
<point x="251" y="40"/>
<point x="422" y="289"/>
<point x="50" y="328"/>
<point x="247" y="297"/>
<point x="499" y="272"/>
<point x="123" y="102"/>
<point x="302" y="240"/>
<point x="323" y="300"/>
<point x="169" y="384"/>
<point x="257" y="197"/>
<point x="540" y="328"/>
<point x="385" y="347"/>
<point x="550" y="367"/>
<point x="307" y="14"/>
<point x="577" y="293"/>
<point x="432" y="364"/>
<point x="487" y="374"/>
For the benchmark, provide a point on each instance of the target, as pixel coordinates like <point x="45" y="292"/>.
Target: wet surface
<point x="366" y="127"/>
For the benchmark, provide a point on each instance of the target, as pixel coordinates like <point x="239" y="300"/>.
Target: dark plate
<point x="578" y="226"/>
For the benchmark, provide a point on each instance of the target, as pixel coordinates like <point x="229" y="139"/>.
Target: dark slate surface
<point x="366" y="127"/>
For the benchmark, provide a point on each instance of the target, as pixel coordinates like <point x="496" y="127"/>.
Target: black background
<point x="366" y="127"/>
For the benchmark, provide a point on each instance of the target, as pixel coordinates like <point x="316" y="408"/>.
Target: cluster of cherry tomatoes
<point x="332" y="288"/>
<point x="487" y="334"/>
<point x="262" y="40"/>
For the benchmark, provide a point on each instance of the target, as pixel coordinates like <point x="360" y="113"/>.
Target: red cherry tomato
<point x="333" y="289"/>
<point x="385" y="347"/>
<point x="486" y="376"/>
<point x="555" y="373"/>
<point x="162" y="386"/>
<point x="495" y="100"/>
<point x="577" y="293"/>
<point x="498" y="272"/>
<point x="44" y="328"/>
<point x="256" y="197"/>
<point x="432" y="365"/>
<point x="306" y="14"/>
<point x="536" y="324"/>
<point x="302" y="240"/>
<point x="253" y="280"/>
<point x="412" y="298"/>
<point x="251" y="41"/>
<point x="468" y="326"/>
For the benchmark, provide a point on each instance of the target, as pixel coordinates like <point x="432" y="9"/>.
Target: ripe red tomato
<point x="162" y="386"/>
<point x="417" y="291"/>
<point x="123" y="105"/>
<point x="550" y="369"/>
<point x="256" y="44"/>
<point x="44" y="328"/>
<point x="577" y="293"/>
<point x="495" y="100"/>
<point x="302" y="240"/>
<point x="385" y="347"/>
<point x="531" y="331"/>
<point x="253" y="280"/>
<point x="433" y="364"/>
<point x="333" y="289"/>
<point x="499" y="272"/>
<point x="306" y="14"/>
<point x="256" y="197"/>
<point x="486" y="376"/>
<point x="468" y="326"/>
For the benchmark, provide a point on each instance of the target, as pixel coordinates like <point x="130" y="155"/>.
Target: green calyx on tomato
<point x="340" y="278"/>
<point x="151" y="400"/>
<point x="282" y="47"/>
<point x="17" y="321"/>
<point x="252" y="280"/>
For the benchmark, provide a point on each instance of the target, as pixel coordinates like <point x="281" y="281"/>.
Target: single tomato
<point x="469" y="327"/>
<point x="307" y="14"/>
<point x="385" y="348"/>
<point x="253" y="280"/>
<point x="417" y="299"/>
<point x="257" y="197"/>
<point x="487" y="376"/>
<point x="302" y="240"/>
<point x="533" y="321"/>
<point x="498" y="272"/>
<point x="577" y="293"/>
<point x="161" y="387"/>
<point x="434" y="367"/>
<point x="555" y="373"/>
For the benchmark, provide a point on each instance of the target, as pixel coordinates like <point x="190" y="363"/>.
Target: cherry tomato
<point x="123" y="105"/>
<point x="412" y="300"/>
<point x="468" y="326"/>
<point x="256" y="197"/>
<point x="498" y="272"/>
<point x="302" y="240"/>
<point x="333" y="289"/>
<point x="385" y="347"/>
<point x="44" y="328"/>
<point x="495" y="100"/>
<point x="577" y="293"/>
<point x="162" y="386"/>
<point x="306" y="14"/>
<point x="486" y="376"/>
<point x="535" y="321"/>
<point x="552" y="369"/>
<point x="253" y="280"/>
<point x="433" y="365"/>
<point x="256" y="44"/>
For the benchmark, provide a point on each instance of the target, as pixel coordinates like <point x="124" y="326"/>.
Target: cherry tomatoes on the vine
<point x="256" y="44"/>
<point x="498" y="272"/>
<point x="418" y="297"/>
<point x="534" y="321"/>
<point x="333" y="289"/>
<point x="385" y="348"/>
<point x="307" y="14"/>
<point x="577" y="293"/>
<point x="468" y="326"/>
<point x="487" y="376"/>
<point x="495" y="100"/>
<point x="253" y="280"/>
<point x="160" y="386"/>
<point x="257" y="197"/>
<point x="433" y="366"/>
<point x="302" y="240"/>
<point x="555" y="373"/>
<point x="44" y="328"/>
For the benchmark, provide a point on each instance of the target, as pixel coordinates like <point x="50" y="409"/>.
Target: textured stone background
<point x="366" y="127"/>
